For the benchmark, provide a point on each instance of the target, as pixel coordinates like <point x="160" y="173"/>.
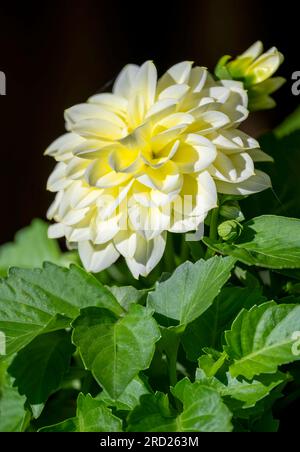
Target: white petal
<point x="74" y="216"/>
<point x="111" y="102"/>
<point x="125" y="242"/>
<point x="233" y="140"/>
<point x="254" y="51"/>
<point x="90" y="149"/>
<point x="96" y="258"/>
<point x="106" y="230"/>
<point x="161" y="109"/>
<point x="198" y="196"/>
<point x="149" y="221"/>
<point x="232" y="168"/>
<point x="186" y="224"/>
<point x="77" y="234"/>
<point x="208" y="121"/>
<point x="147" y="255"/>
<point x="51" y="212"/>
<point x="124" y="81"/>
<point x="111" y="199"/>
<point x="195" y="154"/>
<point x="57" y="179"/>
<point x="81" y="196"/>
<point x="257" y="183"/>
<point x="76" y="167"/>
<point x="142" y="95"/>
<point x="207" y="197"/>
<point x="162" y="139"/>
<point x="61" y="148"/>
<point x="165" y="178"/>
<point x="179" y="73"/>
<point x="91" y="111"/>
<point x="98" y="174"/>
<point x="98" y="128"/>
<point x="175" y="120"/>
<point x="56" y="231"/>
<point x="174" y="92"/>
<point x="258" y="155"/>
<point x="198" y="77"/>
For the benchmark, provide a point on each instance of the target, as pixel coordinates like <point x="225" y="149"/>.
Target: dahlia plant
<point x="175" y="305"/>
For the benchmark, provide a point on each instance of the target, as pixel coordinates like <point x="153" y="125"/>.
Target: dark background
<point x="56" y="54"/>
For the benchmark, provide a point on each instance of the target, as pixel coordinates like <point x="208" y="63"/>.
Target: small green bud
<point x="231" y="211"/>
<point x="230" y="230"/>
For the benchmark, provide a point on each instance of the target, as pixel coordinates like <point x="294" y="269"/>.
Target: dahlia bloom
<point x="149" y="158"/>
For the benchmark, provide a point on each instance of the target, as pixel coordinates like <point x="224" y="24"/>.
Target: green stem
<point x="185" y="251"/>
<point x="169" y="255"/>
<point x="217" y="365"/>
<point x="172" y="361"/>
<point x="213" y="231"/>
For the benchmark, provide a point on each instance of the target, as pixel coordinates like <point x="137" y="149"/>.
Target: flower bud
<point x="230" y="230"/>
<point x="231" y="211"/>
<point x="255" y="69"/>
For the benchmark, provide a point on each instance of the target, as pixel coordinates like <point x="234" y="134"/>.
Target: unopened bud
<point x="230" y="230"/>
<point x="231" y="211"/>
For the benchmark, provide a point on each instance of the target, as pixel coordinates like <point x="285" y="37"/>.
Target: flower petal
<point x="147" y="255"/>
<point x="96" y="258"/>
<point x="257" y="183"/>
<point x="194" y="154"/>
<point x="91" y="111"/>
<point x="232" y="168"/>
<point x="61" y="148"/>
<point x="124" y="82"/>
<point x="98" y="128"/>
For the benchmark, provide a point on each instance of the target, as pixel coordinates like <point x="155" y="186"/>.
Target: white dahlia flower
<point x="149" y="158"/>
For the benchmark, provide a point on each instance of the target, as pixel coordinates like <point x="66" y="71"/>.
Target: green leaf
<point x="189" y="291"/>
<point x="203" y="408"/>
<point x="92" y="416"/>
<point x="203" y="411"/>
<point x="12" y="411"/>
<point x="69" y="425"/>
<point x="153" y="414"/>
<point x="247" y="392"/>
<point x="263" y="338"/>
<point x="267" y="241"/>
<point x="31" y="248"/>
<point x="207" y="330"/>
<point x="39" y="368"/>
<point x="127" y="295"/>
<point x="251" y="392"/>
<point x="116" y="349"/>
<point x="36" y="301"/>
<point x="129" y="398"/>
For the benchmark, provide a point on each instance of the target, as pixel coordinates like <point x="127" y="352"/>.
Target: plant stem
<point x="185" y="251"/>
<point x="172" y="361"/>
<point x="213" y="230"/>
<point x="218" y="364"/>
<point x="169" y="254"/>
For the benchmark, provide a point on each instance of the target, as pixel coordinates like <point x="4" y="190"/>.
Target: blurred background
<point x="56" y="54"/>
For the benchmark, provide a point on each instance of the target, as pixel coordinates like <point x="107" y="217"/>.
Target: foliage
<point x="209" y="342"/>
